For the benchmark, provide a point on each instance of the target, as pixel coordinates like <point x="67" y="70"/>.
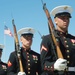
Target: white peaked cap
<point x="61" y="9"/>
<point x="1" y="46"/>
<point x="27" y="30"/>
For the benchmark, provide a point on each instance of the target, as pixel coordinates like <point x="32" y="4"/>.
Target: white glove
<point x="21" y="73"/>
<point x="60" y="64"/>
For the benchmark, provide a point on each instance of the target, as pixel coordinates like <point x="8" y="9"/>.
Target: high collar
<point x="27" y="50"/>
<point x="62" y="33"/>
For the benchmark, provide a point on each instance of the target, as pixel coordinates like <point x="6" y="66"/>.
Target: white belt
<point x="71" y="69"/>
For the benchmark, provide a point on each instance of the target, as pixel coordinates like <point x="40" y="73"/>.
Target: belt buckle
<point x="72" y="69"/>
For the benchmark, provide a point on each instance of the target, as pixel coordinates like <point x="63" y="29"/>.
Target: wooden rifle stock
<point x="17" y="46"/>
<point x="52" y="29"/>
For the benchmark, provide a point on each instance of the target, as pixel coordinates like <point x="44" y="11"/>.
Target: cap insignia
<point x="65" y="7"/>
<point x="29" y="30"/>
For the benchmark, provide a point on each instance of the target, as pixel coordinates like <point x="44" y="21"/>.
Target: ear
<point x="21" y="38"/>
<point x="55" y="20"/>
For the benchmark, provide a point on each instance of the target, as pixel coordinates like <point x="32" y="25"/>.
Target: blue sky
<point x="28" y="13"/>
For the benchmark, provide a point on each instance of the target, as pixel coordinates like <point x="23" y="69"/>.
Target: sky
<point x="28" y="13"/>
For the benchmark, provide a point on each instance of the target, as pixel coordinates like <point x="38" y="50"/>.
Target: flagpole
<point x="6" y="32"/>
<point x="4" y="47"/>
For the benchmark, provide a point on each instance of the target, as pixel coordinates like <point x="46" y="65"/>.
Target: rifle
<point x="17" y="47"/>
<point x="53" y="33"/>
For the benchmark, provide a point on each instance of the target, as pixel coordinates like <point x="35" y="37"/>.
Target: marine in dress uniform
<point x="51" y="65"/>
<point x="30" y="59"/>
<point x="3" y="66"/>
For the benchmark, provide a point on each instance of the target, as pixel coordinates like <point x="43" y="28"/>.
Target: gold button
<point x="68" y="56"/>
<point x="28" y="72"/>
<point x="28" y="60"/>
<point x="65" y="41"/>
<point x="48" y="66"/>
<point x="67" y="50"/>
<point x="51" y="67"/>
<point x="27" y="53"/>
<point x="28" y="56"/>
<point x="28" y="64"/>
<point x="68" y="62"/>
<point x="45" y="66"/>
<point x="28" y="68"/>
<point x="67" y="46"/>
<point x="64" y="37"/>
